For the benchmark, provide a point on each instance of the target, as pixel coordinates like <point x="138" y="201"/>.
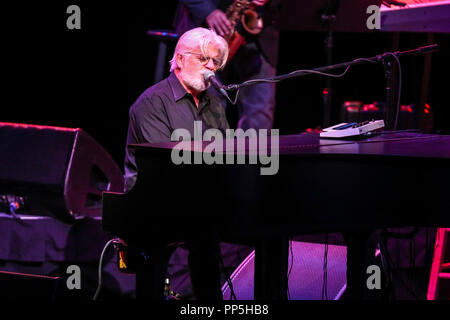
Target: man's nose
<point x="210" y="65"/>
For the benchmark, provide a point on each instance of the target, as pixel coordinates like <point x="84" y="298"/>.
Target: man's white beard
<point x="196" y="82"/>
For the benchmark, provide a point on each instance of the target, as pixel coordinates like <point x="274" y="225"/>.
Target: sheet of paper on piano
<point x="416" y="16"/>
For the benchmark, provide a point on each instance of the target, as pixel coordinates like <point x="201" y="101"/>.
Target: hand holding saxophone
<point x="224" y="23"/>
<point x="221" y="22"/>
<point x="218" y="21"/>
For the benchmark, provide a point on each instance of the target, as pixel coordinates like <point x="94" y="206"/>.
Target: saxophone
<point x="242" y="10"/>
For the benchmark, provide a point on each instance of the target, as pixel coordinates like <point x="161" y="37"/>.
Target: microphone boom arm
<point x="322" y="70"/>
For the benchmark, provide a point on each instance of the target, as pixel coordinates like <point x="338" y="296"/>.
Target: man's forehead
<point x="211" y="50"/>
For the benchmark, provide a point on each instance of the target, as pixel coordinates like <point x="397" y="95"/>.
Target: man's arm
<point x="199" y="9"/>
<point x="149" y="122"/>
<point x="206" y="11"/>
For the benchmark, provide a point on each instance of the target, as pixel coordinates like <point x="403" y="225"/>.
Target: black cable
<point x="225" y="273"/>
<point x="325" y="270"/>
<point x="100" y="267"/>
<point x="390" y="262"/>
<point x="397" y="111"/>
<point x="386" y="266"/>
<point x="273" y="80"/>
<point x="290" y="268"/>
<point x="293" y="73"/>
<point x="235" y="97"/>
<point x="412" y="260"/>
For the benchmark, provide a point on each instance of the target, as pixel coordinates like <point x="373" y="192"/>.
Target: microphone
<point x="210" y="77"/>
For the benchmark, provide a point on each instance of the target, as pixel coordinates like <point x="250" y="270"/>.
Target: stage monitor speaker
<point x="20" y="286"/>
<point x="53" y="171"/>
<point x="306" y="277"/>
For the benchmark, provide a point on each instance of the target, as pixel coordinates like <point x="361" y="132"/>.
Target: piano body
<point x="323" y="185"/>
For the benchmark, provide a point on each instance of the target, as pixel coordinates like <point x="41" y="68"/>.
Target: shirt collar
<point x="179" y="91"/>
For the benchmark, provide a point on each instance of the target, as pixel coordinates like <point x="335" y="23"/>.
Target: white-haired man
<point x="174" y="103"/>
<point x="179" y="100"/>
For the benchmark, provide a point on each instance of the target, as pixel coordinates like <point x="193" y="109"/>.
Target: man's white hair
<point x="200" y="38"/>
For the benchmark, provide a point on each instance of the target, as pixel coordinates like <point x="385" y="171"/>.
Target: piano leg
<point x="151" y="270"/>
<point x="146" y="286"/>
<point x="356" y="267"/>
<point x="271" y="265"/>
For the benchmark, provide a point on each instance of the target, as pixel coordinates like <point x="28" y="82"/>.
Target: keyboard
<point x="353" y="129"/>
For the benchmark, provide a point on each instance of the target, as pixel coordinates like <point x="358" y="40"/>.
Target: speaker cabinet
<point x="22" y="286"/>
<point x="52" y="171"/>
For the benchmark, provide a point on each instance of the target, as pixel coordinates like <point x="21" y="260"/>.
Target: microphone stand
<point x="385" y="58"/>
<point x="327" y="91"/>
<point x="390" y="113"/>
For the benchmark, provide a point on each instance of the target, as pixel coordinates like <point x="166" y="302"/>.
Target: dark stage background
<point x="89" y="78"/>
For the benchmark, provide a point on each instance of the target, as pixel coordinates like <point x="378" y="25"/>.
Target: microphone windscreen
<point x="208" y="74"/>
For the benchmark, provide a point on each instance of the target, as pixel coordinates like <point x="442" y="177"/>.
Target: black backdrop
<point x="89" y="78"/>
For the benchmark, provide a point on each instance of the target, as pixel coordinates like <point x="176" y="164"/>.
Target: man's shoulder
<point x="151" y="97"/>
<point x="156" y="90"/>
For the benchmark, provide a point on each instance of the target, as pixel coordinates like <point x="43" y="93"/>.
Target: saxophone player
<point x="256" y="57"/>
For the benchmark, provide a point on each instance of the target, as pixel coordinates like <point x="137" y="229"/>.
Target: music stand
<point x="326" y="16"/>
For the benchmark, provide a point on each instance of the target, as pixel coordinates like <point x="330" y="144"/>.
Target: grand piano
<point x="354" y="187"/>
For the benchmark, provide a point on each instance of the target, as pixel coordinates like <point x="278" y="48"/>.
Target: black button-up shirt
<point x="160" y="110"/>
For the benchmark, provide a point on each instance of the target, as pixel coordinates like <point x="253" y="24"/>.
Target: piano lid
<point x="416" y="16"/>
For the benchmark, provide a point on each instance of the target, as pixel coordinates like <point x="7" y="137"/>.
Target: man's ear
<point x="179" y="60"/>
